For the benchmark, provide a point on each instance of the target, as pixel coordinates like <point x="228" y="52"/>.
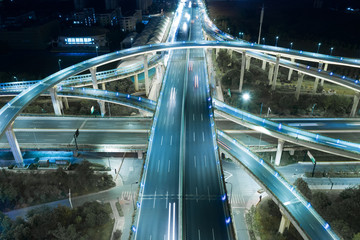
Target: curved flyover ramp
<point x="286" y="133"/>
<point x="305" y="219"/>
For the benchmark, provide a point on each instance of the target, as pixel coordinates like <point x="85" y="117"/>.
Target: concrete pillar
<point x="271" y="72"/>
<point x="95" y="86"/>
<point x="14" y="145"/>
<point x="55" y="101"/>
<point x="140" y="154"/>
<point x="279" y="152"/>
<point x="263" y="66"/>
<point x="146" y="74"/>
<point x="242" y="70"/>
<point x="102" y="108"/>
<point x="158" y="73"/>
<point x="284" y="224"/>
<point x="93" y="77"/>
<point x="136" y="82"/>
<point x="66" y="103"/>
<point x="291" y="70"/>
<point x="103" y="86"/>
<point x="248" y="59"/>
<point x="217" y="52"/>
<point x="355" y="105"/>
<point x="316" y="83"/>
<point x="230" y="52"/>
<point x="325" y="69"/>
<point x="276" y="72"/>
<point x="298" y="86"/>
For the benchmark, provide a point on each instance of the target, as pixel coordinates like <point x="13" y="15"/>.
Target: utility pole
<point x="261" y="21"/>
<point x="76" y="134"/>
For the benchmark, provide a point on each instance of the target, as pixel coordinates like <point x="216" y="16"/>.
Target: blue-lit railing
<point x="296" y="133"/>
<point x="262" y="164"/>
<point x="115" y="97"/>
<point x="113" y="73"/>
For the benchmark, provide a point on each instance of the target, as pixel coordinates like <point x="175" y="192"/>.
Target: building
<point x="35" y="37"/>
<point x="79" y="4"/>
<point x="143" y="4"/>
<point x="83" y="38"/>
<point x="111" y="4"/>
<point x="85" y="17"/>
<point x="129" y="23"/>
<point x="18" y="20"/>
<point x="109" y="19"/>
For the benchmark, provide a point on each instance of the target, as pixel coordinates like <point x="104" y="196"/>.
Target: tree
<point x="356" y="236"/>
<point x="65" y="233"/>
<point x="223" y="60"/>
<point x="321" y="202"/>
<point x="303" y="188"/>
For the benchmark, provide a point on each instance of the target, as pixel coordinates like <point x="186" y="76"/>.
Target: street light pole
<point x="96" y="48"/>
<point x="276" y="42"/>
<point x="132" y="195"/>
<point x="263" y="40"/>
<point x="291" y="45"/>
<point x="230" y="190"/>
<point x="319" y="44"/>
<point x="261" y="22"/>
<point x="59" y="63"/>
<point x="331" y="50"/>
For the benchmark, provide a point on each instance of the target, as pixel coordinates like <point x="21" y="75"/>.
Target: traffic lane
<point x="157" y="207"/>
<point x="164" y="155"/>
<point x="166" y="141"/>
<point x="201" y="173"/>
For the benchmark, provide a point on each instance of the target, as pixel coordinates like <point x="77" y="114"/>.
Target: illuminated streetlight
<point x="59" y="63"/>
<point x="246" y="96"/>
<point x="263" y="40"/>
<point x="319" y="44"/>
<point x="276" y="42"/>
<point x="331" y="50"/>
<point x="96" y="48"/>
<point x="291" y="45"/>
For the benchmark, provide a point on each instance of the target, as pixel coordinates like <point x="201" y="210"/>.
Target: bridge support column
<point x="325" y="69"/>
<point x="146" y="74"/>
<point x="242" y="70"/>
<point x="55" y="101"/>
<point x="230" y="52"/>
<point x="355" y="105"/>
<point x="279" y="152"/>
<point x="217" y="52"/>
<point x="271" y="72"/>
<point x="136" y="82"/>
<point x="140" y="154"/>
<point x="284" y="224"/>
<point x="276" y="72"/>
<point x="103" y="86"/>
<point x="316" y="83"/>
<point x="93" y="77"/>
<point x="290" y="70"/>
<point x="248" y="59"/>
<point x="298" y="86"/>
<point x="66" y="103"/>
<point x="263" y="66"/>
<point x="14" y="145"/>
<point x="95" y="86"/>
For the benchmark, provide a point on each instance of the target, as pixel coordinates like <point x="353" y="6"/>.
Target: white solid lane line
<point x="169" y="222"/>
